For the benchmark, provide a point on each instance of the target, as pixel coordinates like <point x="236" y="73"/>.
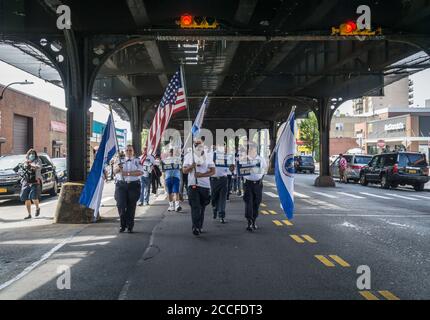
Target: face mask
<point x="32" y="157"/>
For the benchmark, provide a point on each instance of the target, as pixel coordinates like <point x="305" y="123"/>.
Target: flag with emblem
<point x="173" y="101"/>
<point x="284" y="166"/>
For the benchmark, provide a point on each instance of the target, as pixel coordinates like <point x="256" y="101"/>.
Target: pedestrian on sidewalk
<point x="253" y="186"/>
<point x="128" y="171"/>
<point x="172" y="174"/>
<point x="199" y="168"/>
<point x="156" y="175"/>
<point x="145" y="179"/>
<point x="219" y="184"/>
<point x="31" y="181"/>
<point x="343" y="164"/>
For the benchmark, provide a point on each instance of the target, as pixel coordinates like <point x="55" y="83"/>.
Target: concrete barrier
<point x="68" y="208"/>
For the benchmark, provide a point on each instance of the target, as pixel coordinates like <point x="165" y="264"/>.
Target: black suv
<point x="10" y="181"/>
<point x="397" y="168"/>
<point x="304" y="163"/>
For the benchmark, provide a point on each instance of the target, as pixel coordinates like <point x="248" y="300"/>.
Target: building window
<point x="339" y="126"/>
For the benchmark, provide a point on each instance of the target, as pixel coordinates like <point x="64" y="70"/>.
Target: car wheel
<point x="419" y="187"/>
<point x="384" y="182"/>
<point x="53" y="192"/>
<point x="363" y="180"/>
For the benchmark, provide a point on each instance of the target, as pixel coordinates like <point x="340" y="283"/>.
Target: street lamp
<point x="11" y="84"/>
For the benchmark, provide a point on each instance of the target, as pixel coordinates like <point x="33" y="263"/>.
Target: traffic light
<point x="188" y="21"/>
<point x="348" y="27"/>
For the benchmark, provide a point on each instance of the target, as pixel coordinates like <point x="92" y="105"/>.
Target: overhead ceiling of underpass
<point x="265" y="57"/>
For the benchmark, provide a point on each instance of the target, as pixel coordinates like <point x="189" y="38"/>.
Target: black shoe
<point x="196" y="232"/>
<point x="37" y="212"/>
<point x="27" y="217"/>
<point x="222" y="220"/>
<point x="121" y="230"/>
<point x="179" y="209"/>
<point x="130" y="230"/>
<point x="249" y="228"/>
<point x="141" y="204"/>
<point x="254" y="226"/>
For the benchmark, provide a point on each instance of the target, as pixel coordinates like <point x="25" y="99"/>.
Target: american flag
<point x="173" y="101"/>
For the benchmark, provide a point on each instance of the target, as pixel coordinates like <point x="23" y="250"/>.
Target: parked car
<point x="304" y="163"/>
<point x="355" y="163"/>
<point x="10" y="181"/>
<point x="60" y="170"/>
<point x="397" y="168"/>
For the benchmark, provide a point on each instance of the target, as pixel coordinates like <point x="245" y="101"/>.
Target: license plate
<point x="2" y="190"/>
<point x="412" y="171"/>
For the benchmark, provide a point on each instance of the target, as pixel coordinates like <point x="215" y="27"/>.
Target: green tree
<point x="309" y="134"/>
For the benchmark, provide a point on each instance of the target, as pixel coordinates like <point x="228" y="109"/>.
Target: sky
<point x="55" y="95"/>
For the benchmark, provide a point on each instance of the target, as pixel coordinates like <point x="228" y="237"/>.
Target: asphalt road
<point x="313" y="256"/>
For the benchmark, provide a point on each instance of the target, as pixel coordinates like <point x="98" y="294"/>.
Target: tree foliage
<point x="309" y="133"/>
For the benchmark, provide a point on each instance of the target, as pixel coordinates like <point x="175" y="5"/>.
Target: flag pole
<point x="293" y="109"/>
<point x="114" y="129"/>
<point x="189" y="116"/>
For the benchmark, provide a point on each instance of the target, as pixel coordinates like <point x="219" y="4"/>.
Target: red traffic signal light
<point x="186" y="20"/>
<point x="350" y="27"/>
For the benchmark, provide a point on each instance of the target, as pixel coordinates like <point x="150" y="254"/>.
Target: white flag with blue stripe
<point x="284" y="166"/>
<point x="92" y="193"/>
<point x="199" y="119"/>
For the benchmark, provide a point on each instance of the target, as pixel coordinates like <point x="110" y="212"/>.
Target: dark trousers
<point x="198" y="199"/>
<point x="126" y="196"/>
<point x="253" y="194"/>
<point x="219" y="193"/>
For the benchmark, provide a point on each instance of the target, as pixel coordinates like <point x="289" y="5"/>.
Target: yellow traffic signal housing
<point x="188" y="21"/>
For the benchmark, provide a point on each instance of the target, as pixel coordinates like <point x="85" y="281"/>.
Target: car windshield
<point x="412" y="159"/>
<point x="59" y="163"/>
<point x="362" y="159"/>
<point x="307" y="159"/>
<point x="10" y="162"/>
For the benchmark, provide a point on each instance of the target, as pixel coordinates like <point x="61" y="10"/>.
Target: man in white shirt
<point x="219" y="183"/>
<point x="145" y="179"/>
<point x="253" y="186"/>
<point x="127" y="187"/>
<point x="199" y="168"/>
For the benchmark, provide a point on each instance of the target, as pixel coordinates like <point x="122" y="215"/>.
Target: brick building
<point x="58" y="132"/>
<point x="24" y="123"/>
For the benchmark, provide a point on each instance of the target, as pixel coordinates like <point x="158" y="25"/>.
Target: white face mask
<point x="31" y="157"/>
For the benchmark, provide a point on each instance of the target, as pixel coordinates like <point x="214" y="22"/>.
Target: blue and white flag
<point x="284" y="166"/>
<point x="199" y="119"/>
<point x="92" y="193"/>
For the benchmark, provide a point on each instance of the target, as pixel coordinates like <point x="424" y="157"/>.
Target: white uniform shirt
<point x="261" y="170"/>
<point x="202" y="168"/>
<point x="129" y="164"/>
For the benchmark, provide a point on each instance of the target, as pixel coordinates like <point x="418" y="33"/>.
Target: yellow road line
<point x="388" y="295"/>
<point x="325" y="261"/>
<point x="264" y="212"/>
<point x="339" y="260"/>
<point x="368" y="295"/>
<point x="309" y="238"/>
<point x="287" y="222"/>
<point x="278" y="223"/>
<point x="263" y="205"/>
<point x="297" y="238"/>
<point x="273" y="212"/>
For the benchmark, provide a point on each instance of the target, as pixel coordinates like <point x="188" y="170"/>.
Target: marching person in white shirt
<point x="219" y="183"/>
<point x="199" y="168"/>
<point x="127" y="187"/>
<point x="253" y="186"/>
<point x="145" y="180"/>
